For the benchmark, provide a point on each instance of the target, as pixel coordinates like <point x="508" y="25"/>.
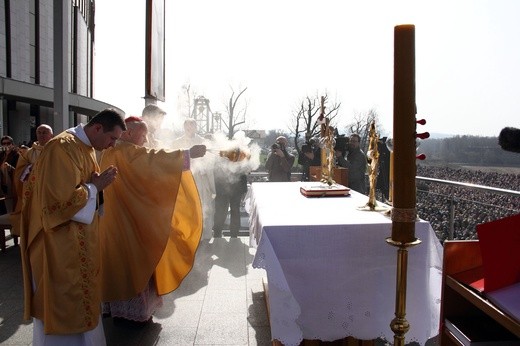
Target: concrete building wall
<point x="20" y="38"/>
<point x="21" y="108"/>
<point x="3" y="47"/>
<point x="46" y="42"/>
<point x="83" y="57"/>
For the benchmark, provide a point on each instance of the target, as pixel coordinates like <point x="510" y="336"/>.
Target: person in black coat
<point x="309" y="156"/>
<point x="230" y="189"/>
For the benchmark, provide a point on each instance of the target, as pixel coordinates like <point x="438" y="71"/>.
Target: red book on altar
<point x="324" y="190"/>
<point x="500" y="248"/>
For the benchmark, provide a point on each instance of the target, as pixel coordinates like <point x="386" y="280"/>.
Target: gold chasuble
<point x="152" y="221"/>
<point x="60" y="257"/>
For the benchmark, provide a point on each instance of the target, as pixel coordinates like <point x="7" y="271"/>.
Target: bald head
<point x="44" y="134"/>
<point x="152" y="111"/>
<point x="190" y="127"/>
<point x="281" y="140"/>
<point x="153" y="115"/>
<point x="136" y="131"/>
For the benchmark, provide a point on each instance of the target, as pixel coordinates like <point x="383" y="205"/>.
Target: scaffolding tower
<point x="207" y="121"/>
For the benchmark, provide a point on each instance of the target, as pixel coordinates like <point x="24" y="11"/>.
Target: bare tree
<point x="305" y="118"/>
<point x="271" y="136"/>
<point x="236" y="116"/>
<point x="361" y="125"/>
<point x="185" y="100"/>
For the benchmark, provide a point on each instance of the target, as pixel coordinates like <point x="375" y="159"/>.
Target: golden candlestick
<point x="327" y="142"/>
<point x="373" y="165"/>
<point x="403" y="170"/>
<point x="373" y="169"/>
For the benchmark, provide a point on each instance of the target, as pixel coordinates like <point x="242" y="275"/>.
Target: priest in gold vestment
<point x="24" y="166"/>
<point x="202" y="170"/>
<point x="59" y="234"/>
<point x="152" y="223"/>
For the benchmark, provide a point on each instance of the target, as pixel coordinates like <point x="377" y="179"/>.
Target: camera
<point x="275" y="146"/>
<point x="306" y="148"/>
<point x="341" y="143"/>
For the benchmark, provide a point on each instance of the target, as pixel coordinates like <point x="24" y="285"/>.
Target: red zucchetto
<point x="132" y="119"/>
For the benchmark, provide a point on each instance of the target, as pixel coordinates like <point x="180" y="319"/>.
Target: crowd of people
<point x="347" y="153"/>
<point x="471" y="206"/>
<point x="9" y="155"/>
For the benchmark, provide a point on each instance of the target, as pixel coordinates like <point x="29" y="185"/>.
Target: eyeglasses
<point x="6" y="143"/>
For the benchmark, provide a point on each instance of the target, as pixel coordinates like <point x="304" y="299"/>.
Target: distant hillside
<point x="467" y="150"/>
<point x="437" y="135"/>
<point x="487" y="169"/>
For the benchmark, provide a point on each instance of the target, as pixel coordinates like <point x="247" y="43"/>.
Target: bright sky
<point x="467" y="58"/>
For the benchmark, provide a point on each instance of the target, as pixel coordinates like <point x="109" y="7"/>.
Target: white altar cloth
<point x="331" y="273"/>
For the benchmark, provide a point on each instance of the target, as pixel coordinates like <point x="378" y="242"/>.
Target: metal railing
<point x="262" y="176"/>
<point x="470" y="186"/>
<point x="481" y="203"/>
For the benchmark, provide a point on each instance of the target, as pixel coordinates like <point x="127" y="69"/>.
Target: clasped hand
<point x="103" y="179"/>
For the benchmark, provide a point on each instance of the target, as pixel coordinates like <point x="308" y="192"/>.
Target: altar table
<point x="331" y="273"/>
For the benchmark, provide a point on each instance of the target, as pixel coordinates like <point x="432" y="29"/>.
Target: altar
<point x="331" y="273"/>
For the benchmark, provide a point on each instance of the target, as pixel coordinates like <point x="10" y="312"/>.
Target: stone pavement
<point x="221" y="302"/>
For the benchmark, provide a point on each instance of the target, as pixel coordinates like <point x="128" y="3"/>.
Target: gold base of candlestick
<point x="399" y="324"/>
<point x="328" y="181"/>
<point x="392" y="242"/>
<point x="376" y="207"/>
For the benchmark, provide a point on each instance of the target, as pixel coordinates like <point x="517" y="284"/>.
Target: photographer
<point x="340" y="150"/>
<point x="383" y="176"/>
<point x="357" y="164"/>
<point x="309" y="156"/>
<point x="9" y="157"/>
<point x="279" y="162"/>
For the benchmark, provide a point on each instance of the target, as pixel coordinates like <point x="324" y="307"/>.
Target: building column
<point x="61" y="62"/>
